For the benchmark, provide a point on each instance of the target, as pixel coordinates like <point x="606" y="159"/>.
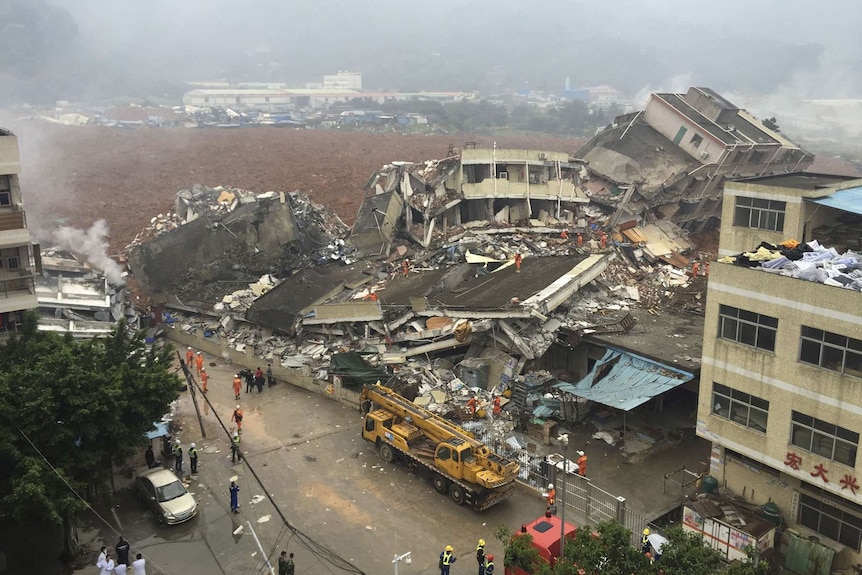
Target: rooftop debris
<point x="809" y="261"/>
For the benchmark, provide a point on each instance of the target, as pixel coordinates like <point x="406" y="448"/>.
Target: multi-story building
<point x="343" y="80"/>
<point x="673" y="157"/>
<point x="17" y="263"/>
<point x="781" y="381"/>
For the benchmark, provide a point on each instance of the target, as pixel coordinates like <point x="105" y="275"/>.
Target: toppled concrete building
<point x="426" y="200"/>
<point x="670" y="159"/>
<point x="218" y="239"/>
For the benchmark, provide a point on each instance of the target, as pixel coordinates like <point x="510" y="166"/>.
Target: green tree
<point x="68" y="410"/>
<point x="753" y="565"/>
<point x="605" y="549"/>
<point x="686" y="554"/>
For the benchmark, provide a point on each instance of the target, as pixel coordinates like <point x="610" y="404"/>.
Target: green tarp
<point x="355" y="370"/>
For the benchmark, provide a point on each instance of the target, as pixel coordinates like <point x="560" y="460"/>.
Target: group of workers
<point x="485" y="562"/>
<point x="473" y="406"/>
<point x="551" y="495"/>
<point x="196" y="361"/>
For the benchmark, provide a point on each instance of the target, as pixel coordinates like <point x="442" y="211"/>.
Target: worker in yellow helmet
<point x="446" y="560"/>
<point x="646" y="546"/>
<point x="480" y="556"/>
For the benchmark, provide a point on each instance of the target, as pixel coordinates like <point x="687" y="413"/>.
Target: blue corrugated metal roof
<point x="848" y="200"/>
<point x="624" y="381"/>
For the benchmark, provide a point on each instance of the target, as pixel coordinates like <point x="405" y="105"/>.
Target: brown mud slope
<point x="77" y="175"/>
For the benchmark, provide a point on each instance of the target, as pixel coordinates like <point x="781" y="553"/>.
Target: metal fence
<point x="586" y="503"/>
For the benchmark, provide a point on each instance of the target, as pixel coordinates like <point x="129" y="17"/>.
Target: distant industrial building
<point x="343" y="80"/>
<point x="18" y="265"/>
<point x="297" y="98"/>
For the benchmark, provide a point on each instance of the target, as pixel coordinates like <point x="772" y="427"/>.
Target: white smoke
<point x="91" y="244"/>
<point x="678" y="84"/>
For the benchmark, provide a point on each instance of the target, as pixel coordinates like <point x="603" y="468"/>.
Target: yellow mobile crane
<point x="456" y="462"/>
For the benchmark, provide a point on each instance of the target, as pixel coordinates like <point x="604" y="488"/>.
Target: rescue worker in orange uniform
<point x="552" y="499"/>
<point x="580" y="239"/>
<point x="497" y="408"/>
<point x="471" y="405"/>
<point x="405" y="266"/>
<point x="190" y="356"/>
<point x="582" y="464"/>
<point x="518" y="258"/>
<point x="204" y="379"/>
<point x="706" y="270"/>
<point x="199" y="362"/>
<point x="564" y="235"/>
<point x="237" y="416"/>
<point x="695" y="269"/>
<point x="237" y="385"/>
<point x="603" y="237"/>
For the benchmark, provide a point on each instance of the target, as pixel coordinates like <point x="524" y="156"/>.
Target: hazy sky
<point x="735" y="46"/>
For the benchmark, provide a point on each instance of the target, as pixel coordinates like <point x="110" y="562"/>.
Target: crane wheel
<point x="439" y="484"/>
<point x="456" y="493"/>
<point x="387" y="453"/>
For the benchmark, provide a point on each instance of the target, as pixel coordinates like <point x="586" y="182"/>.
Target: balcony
<point x="13" y="229"/>
<point x="17" y="291"/>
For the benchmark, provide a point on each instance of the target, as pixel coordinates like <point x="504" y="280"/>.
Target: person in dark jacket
<point x="123" y="551"/>
<point x="258" y="380"/>
<point x="150" y="457"/>
<point x="248" y="376"/>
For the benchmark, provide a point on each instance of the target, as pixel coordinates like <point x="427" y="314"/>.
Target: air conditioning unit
<point x="503" y="176"/>
<point x="542" y="155"/>
<point x="704" y="155"/>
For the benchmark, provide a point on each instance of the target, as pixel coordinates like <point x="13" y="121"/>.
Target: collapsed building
<point x="671" y="159"/>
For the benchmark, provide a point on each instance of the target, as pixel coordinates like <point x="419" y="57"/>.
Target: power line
<point x="318" y="549"/>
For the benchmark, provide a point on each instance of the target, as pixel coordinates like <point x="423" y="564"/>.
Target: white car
<point x="167" y="496"/>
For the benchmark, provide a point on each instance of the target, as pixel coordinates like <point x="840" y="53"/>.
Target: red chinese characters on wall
<point x="794" y="461"/>
<point x="849" y="482"/>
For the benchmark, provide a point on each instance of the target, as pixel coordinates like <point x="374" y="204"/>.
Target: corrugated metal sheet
<point x="624" y="381"/>
<point x="848" y="200"/>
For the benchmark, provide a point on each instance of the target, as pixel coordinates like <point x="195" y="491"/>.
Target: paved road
<point x="328" y="482"/>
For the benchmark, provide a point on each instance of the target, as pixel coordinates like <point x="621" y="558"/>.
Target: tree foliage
<point x="606" y="549"/>
<point x="75" y="406"/>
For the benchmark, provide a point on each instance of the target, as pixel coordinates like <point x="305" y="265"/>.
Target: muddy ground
<point x="77" y="175"/>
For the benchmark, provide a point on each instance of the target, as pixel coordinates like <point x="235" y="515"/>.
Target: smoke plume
<point x="91" y="244"/>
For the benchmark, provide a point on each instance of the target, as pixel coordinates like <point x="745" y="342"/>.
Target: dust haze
<point x="87" y="50"/>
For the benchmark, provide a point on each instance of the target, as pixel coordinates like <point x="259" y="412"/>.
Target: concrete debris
<point x="76" y="298"/>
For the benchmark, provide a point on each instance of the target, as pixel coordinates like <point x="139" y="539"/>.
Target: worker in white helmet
<point x="552" y="500"/>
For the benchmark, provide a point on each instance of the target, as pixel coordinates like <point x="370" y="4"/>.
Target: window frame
<point x="759" y="214"/>
<point x="817" y="430"/>
<point x="851" y="346"/>
<point x="743" y="321"/>
<point x="5" y="198"/>
<point x="812" y="507"/>
<point x="696" y="140"/>
<point x="741" y="400"/>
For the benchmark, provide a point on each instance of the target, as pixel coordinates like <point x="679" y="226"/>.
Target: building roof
<point x="624" y="381"/>
<point x="498" y="290"/>
<point x="742" y="132"/>
<point x="847" y="200"/>
<point x="798" y="180"/>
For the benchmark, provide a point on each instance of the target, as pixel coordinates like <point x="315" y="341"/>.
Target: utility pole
<point x="260" y="547"/>
<point x="190" y="381"/>
<point x="564" y="440"/>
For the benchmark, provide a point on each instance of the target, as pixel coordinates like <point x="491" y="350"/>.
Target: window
<point x="5" y="198"/>
<point x="747" y="327"/>
<point x="760" y="214"/>
<point x="830" y="520"/>
<point x="444" y="453"/>
<point x="267" y="99"/>
<point x="13" y="262"/>
<point x="206" y="100"/>
<point x="824" y="439"/>
<point x="739" y="407"/>
<point x="237" y="100"/>
<point x="831" y="350"/>
<point x="696" y="140"/>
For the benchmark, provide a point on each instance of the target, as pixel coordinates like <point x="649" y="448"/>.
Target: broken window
<point x="739" y="407"/>
<point x="831" y="350"/>
<point x="824" y="439"/>
<point x="747" y="327"/>
<point x="696" y="140"/>
<point x="759" y="213"/>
